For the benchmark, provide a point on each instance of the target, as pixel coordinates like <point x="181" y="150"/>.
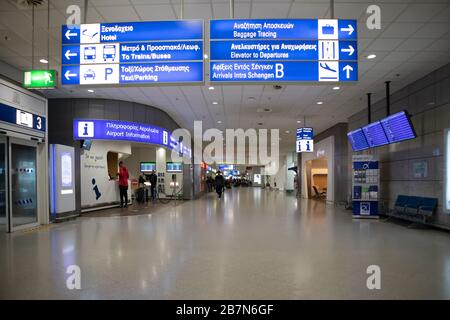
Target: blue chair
<point x="412" y="205"/>
<point x="427" y="206"/>
<point x="400" y="203"/>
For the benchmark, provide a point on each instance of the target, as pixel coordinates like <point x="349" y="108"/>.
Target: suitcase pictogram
<point x="327" y="29"/>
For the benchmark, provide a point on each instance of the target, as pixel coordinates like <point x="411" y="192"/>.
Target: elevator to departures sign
<point x="133" y="53"/>
<point x="283" y="50"/>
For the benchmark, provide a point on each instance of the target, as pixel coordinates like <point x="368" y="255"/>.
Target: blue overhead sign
<point x="96" y="129"/>
<point x="305" y="134"/>
<point x="293" y="50"/>
<point x="289" y="71"/>
<point x="304" y="140"/>
<point x="172" y="72"/>
<point x="133" y="31"/>
<point x="133" y="52"/>
<point x="21" y="118"/>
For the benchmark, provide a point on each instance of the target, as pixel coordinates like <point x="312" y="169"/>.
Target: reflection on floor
<point x="132" y="209"/>
<point x="252" y="244"/>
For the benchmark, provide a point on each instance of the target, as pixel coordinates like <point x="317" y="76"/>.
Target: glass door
<point x="23" y="184"/>
<point x="3" y="184"/>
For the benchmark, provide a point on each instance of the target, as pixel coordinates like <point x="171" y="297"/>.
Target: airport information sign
<point x="305" y="140"/>
<point x="132" y="53"/>
<point x="97" y="129"/>
<point x="283" y="50"/>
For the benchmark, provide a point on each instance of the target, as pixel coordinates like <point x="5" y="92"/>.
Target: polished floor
<point x="252" y="244"/>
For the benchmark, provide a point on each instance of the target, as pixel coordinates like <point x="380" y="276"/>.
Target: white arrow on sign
<point x="350" y="50"/>
<point x="347" y="70"/>
<point x="350" y="29"/>
<point x="68" y="74"/>
<point x="69" y="54"/>
<point x="69" y="34"/>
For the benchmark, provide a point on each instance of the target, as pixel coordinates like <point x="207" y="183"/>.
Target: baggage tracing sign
<point x="135" y="52"/>
<point x="289" y="50"/>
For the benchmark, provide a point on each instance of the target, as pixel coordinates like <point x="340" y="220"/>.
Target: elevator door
<point x="23" y="184"/>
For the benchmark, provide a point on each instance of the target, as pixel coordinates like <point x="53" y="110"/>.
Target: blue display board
<point x="21" y="118"/>
<point x="398" y="127"/>
<point x="394" y="128"/>
<point x="358" y="140"/>
<point x="133" y="53"/>
<point x="283" y="50"/>
<point x="375" y="135"/>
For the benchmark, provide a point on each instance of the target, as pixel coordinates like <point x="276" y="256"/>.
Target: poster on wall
<point x="420" y="169"/>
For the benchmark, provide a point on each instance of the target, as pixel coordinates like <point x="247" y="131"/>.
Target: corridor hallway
<point x="251" y="244"/>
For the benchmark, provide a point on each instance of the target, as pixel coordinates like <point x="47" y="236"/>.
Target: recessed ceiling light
<point x="211" y="88"/>
<point x="90" y="90"/>
<point x="319" y="102"/>
<point x="215" y="102"/>
<point x="218" y="121"/>
<point x="299" y="121"/>
<point x="336" y="88"/>
<point x="251" y="98"/>
<point x="371" y="56"/>
<point x="287" y="131"/>
<point x="43" y="61"/>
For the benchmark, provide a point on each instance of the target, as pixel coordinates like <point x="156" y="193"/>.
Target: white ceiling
<point x="414" y="40"/>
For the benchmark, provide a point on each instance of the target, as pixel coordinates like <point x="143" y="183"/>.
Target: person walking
<point x="153" y="181"/>
<point x="220" y="183"/>
<point x="209" y="183"/>
<point x="123" y="184"/>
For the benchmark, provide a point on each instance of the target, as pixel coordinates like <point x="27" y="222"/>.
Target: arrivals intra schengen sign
<point x="133" y="53"/>
<point x="278" y="50"/>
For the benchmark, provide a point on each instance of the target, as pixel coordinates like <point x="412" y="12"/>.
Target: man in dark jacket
<point x="153" y="180"/>
<point x="219" y="183"/>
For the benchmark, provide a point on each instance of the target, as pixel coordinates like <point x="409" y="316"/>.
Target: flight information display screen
<point x="398" y="127"/>
<point x="357" y="140"/>
<point x="174" y="167"/>
<point x="148" y="166"/>
<point x="375" y="134"/>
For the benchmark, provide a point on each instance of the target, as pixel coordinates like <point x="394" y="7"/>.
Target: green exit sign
<point x="39" y="79"/>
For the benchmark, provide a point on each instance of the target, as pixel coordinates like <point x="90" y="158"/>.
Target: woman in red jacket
<point x="123" y="184"/>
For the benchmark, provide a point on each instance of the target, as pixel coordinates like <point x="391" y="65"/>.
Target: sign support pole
<point x="388" y="98"/>
<point x="231" y="9"/>
<point x="85" y="11"/>
<point x="48" y="34"/>
<point x="331" y="9"/>
<point x="32" y="37"/>
<point x="181" y="9"/>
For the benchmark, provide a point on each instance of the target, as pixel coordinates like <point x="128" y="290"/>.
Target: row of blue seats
<point x="415" y="207"/>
